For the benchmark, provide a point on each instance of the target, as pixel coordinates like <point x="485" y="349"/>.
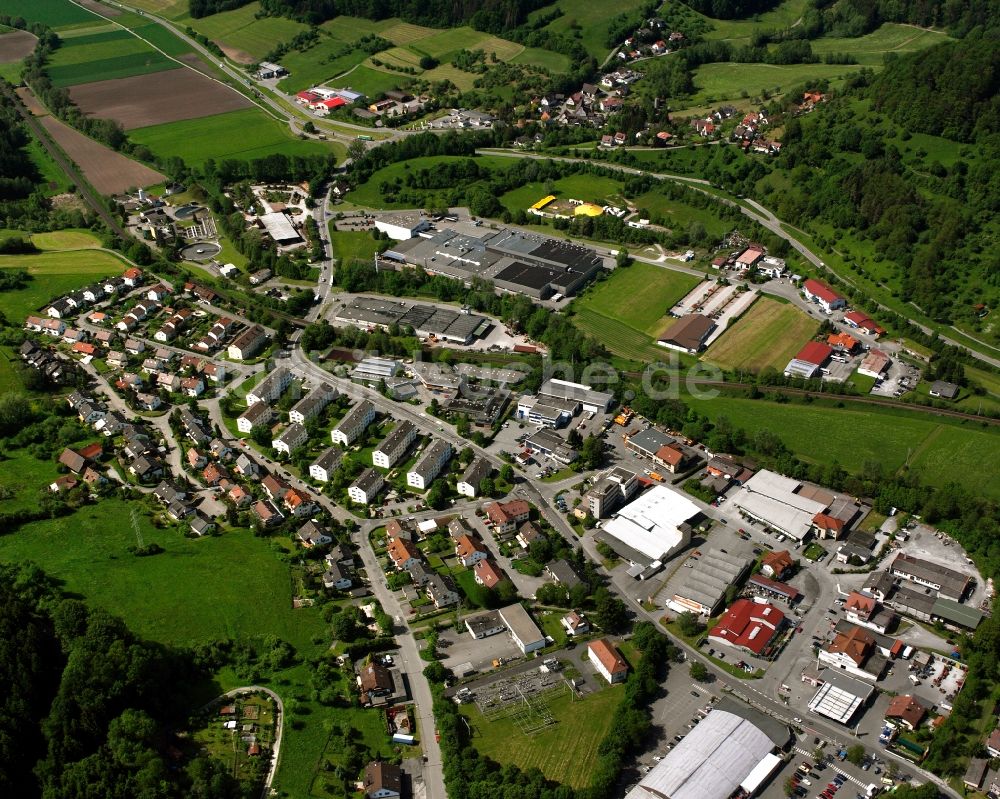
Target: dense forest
<point x="952" y="90"/>
<point x="486" y="15"/>
<point x="86" y="706"/>
<point x="930" y="219"/>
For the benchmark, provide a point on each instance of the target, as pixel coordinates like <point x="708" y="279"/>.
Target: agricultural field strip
<point x="263" y="108"/>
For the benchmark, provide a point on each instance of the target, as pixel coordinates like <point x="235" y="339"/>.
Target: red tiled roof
<point x="749" y="624"/>
<point x="907" y="708"/>
<point x="826" y="522"/>
<point x="779" y="561"/>
<point x="488" y="573"/>
<point x="815" y="353"/>
<point x="670" y="455"/>
<point x="401" y="550"/>
<point x="608" y="655"/>
<point x="821" y="290"/>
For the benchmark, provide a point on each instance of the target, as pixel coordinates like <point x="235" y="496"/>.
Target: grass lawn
<point x="369" y="81"/>
<point x="545" y="59"/>
<point x="766" y="336"/>
<point x="940" y="452"/>
<point x="783" y="16"/>
<point x="52" y="13"/>
<point x="351" y="245"/>
<point x="637" y="297"/>
<point x="20" y="473"/>
<point x="367" y="195"/>
<point x="247" y="134"/>
<point x="240" y="29"/>
<point x="592" y="18"/>
<point x="52" y="175"/>
<point x="54" y="273"/>
<point x="679" y="216"/>
<point x="870" y="49"/>
<point x="715" y="82"/>
<point x="589" y="188"/>
<point x="566" y="751"/>
<point x="198" y="590"/>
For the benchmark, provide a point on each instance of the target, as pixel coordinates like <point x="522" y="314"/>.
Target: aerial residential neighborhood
<point x="541" y="398"/>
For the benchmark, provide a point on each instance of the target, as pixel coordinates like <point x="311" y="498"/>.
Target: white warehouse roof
<point x="650" y="524"/>
<point x="279" y="226"/>
<point x="712" y="761"/>
<point x="840" y="697"/>
<point x="772" y="497"/>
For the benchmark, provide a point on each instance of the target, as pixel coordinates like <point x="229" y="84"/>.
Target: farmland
<point x="715" y="82"/>
<point x="54" y="273"/>
<point x="241" y="35"/>
<point x="870" y="50"/>
<point x="108" y="171"/>
<point x="885" y="436"/>
<point x="15" y="45"/>
<point x="54" y="14"/>
<point x="765" y="337"/>
<point x="117" y="98"/>
<point x="565" y="751"/>
<point x="243" y="134"/>
<point x="113" y="53"/>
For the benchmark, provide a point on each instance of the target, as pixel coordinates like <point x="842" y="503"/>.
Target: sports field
<point x="766" y="336"/>
<point x="247" y="134"/>
<point x="54" y="273"/>
<point x="565" y="751"/>
<point x="942" y="452"/>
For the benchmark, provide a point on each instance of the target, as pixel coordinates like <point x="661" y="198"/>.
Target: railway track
<point x="803" y="392"/>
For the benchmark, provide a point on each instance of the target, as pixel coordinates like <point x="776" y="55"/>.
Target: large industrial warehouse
<point x="653" y="527"/>
<point x="524" y="263"/>
<point x="732" y="748"/>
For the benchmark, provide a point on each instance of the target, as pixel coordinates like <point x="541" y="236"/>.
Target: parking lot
<point x="898" y="379"/>
<point x="460" y="648"/>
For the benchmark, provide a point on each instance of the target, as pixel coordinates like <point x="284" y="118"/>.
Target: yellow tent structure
<point x="588" y="209"/>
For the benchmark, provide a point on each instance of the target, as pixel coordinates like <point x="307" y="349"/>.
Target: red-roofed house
<point x="469" y="550"/>
<point x="905" y="710"/>
<point x="488" y="574"/>
<point x="749" y="257"/>
<point x="306" y="98"/>
<point x="777" y="564"/>
<point x="815" y="352"/>
<point x="575" y="623"/>
<point x="842" y="341"/>
<point x="669" y="457"/>
<point x="828" y="526"/>
<point x="403" y="553"/>
<point x="748" y="625"/>
<point x="607" y="660"/>
<point x="822" y="294"/>
<point x="84" y="348"/>
<point x="505" y="516"/>
<point x="809" y="361"/>
<point x="864" y="323"/>
<point x="866" y="611"/>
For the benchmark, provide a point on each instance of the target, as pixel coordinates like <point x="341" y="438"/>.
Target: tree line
<point x="87" y="705"/>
